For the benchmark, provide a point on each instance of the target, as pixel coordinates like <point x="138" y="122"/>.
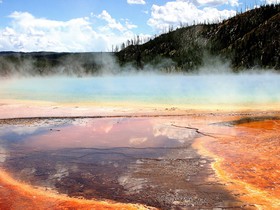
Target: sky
<point x="100" y="25"/>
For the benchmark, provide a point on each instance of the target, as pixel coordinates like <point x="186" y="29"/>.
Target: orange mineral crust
<point x="17" y="195"/>
<point x="247" y="159"/>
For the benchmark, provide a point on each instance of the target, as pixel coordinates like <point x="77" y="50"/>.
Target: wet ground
<point x="250" y="154"/>
<point x="167" y="162"/>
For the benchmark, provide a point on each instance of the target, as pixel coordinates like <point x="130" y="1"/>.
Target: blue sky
<point x="97" y="25"/>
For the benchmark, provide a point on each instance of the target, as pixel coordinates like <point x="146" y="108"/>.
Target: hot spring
<point x="149" y="89"/>
<point x="117" y="138"/>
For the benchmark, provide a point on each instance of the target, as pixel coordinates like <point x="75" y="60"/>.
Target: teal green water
<point x="148" y="88"/>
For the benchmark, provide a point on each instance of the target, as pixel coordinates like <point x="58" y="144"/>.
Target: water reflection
<point x="100" y="133"/>
<point x="84" y="157"/>
<point x="147" y="160"/>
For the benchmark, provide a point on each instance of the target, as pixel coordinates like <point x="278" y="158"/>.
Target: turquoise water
<point x="148" y="88"/>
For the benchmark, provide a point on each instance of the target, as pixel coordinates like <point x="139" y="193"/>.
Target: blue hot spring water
<point x="231" y="89"/>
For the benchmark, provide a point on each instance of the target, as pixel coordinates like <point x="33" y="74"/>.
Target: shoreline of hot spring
<point x="14" y="108"/>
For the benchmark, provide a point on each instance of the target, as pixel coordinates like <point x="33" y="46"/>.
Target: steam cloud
<point x="97" y="64"/>
<point x="213" y="83"/>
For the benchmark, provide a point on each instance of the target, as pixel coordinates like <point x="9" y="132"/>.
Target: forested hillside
<point x="248" y="40"/>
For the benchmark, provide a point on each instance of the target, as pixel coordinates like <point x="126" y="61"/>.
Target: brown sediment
<point x="247" y="159"/>
<point x="17" y="195"/>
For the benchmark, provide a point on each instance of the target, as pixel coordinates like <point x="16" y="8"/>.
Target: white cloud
<point x="129" y="25"/>
<point x="173" y="133"/>
<point x="137" y="141"/>
<point x="233" y="3"/>
<point x="272" y="1"/>
<point x="136" y="2"/>
<point x="217" y="2"/>
<point x="145" y="12"/>
<point x="184" y="12"/>
<point x="29" y="33"/>
<point x="112" y="23"/>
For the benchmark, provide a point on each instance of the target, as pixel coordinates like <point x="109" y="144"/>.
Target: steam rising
<point x="57" y="64"/>
<point x="213" y="83"/>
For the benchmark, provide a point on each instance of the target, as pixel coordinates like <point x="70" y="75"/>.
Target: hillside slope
<point x="248" y="40"/>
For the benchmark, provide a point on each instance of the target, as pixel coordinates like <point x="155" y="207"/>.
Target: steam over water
<point x="149" y="89"/>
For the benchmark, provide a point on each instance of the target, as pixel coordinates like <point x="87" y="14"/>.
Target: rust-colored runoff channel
<point x="247" y="159"/>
